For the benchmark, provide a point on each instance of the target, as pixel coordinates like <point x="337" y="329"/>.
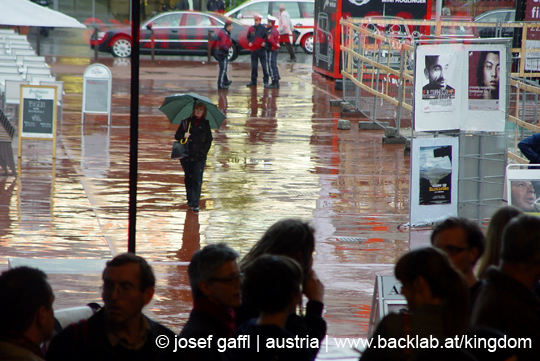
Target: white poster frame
<point x="456" y="113"/>
<point x="522" y="172"/>
<point x="97" y="72"/>
<point x="421" y="214"/>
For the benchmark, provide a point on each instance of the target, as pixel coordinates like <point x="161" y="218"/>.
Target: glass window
<point x="247" y="12"/>
<point x="493" y="18"/>
<point x="293" y="9"/>
<point x="196" y="20"/>
<point x="308" y="10"/>
<point x="167" y="21"/>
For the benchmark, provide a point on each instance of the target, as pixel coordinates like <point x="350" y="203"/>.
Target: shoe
<point x="272" y="86"/>
<point x="265" y="84"/>
<point x="223" y="87"/>
<point x="251" y="84"/>
<point x="291" y="60"/>
<point x="227" y="83"/>
<point x="195" y="209"/>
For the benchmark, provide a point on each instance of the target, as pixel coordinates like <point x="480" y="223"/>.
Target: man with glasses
<point x="463" y="241"/>
<point x="119" y="331"/>
<point x="215" y="282"/>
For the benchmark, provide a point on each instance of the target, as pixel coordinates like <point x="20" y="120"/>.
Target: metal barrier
<point x="381" y="68"/>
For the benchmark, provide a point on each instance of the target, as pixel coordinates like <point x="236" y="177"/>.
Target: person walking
<point x="272" y="46"/>
<point x="223" y="44"/>
<point x="197" y="130"/>
<point x="256" y="38"/>
<point x="285" y="29"/>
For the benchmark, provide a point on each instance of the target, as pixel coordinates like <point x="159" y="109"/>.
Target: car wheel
<point x="307" y="43"/>
<point x="121" y="47"/>
<point x="233" y="53"/>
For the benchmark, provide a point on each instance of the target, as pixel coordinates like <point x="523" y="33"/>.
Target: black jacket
<point x="200" y="139"/>
<point x="87" y="341"/>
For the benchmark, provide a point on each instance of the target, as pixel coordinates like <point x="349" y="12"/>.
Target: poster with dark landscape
<point x="435" y="175"/>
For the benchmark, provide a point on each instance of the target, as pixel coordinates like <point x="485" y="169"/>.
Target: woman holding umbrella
<point x="196" y="129"/>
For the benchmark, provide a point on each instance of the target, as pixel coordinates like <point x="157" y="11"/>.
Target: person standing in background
<point x="285" y="29"/>
<point x="223" y="44"/>
<point x="256" y="38"/>
<point x="272" y="46"/>
<point x="216" y="5"/>
<point x="530" y="147"/>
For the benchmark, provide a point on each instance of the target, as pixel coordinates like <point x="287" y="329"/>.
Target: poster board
<point x="387" y="297"/>
<point x="461" y="86"/>
<point x="37" y="114"/>
<point x="523" y="187"/>
<point x="434" y="179"/>
<point x="97" y="91"/>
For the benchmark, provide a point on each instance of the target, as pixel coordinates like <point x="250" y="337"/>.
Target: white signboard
<point x="97" y="90"/>
<point x="434" y="178"/>
<point x="460" y="86"/>
<point x="387" y="297"/>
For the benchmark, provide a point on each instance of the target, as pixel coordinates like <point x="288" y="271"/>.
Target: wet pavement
<point x="279" y="154"/>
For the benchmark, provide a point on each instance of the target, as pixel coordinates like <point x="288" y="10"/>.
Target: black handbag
<point x="180" y="149"/>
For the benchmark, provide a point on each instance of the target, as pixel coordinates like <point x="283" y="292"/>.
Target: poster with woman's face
<point x="484" y="80"/>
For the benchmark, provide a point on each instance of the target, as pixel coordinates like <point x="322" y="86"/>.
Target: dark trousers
<point x="271" y="60"/>
<point x="290" y="49"/>
<point x="223" y="61"/>
<point x="258" y="55"/>
<point x="193" y="175"/>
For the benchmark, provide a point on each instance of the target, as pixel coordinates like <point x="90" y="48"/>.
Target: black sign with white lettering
<point x="38" y="116"/>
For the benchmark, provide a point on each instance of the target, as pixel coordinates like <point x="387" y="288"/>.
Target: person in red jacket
<point x="256" y="38"/>
<point x="272" y="46"/>
<point x="222" y="46"/>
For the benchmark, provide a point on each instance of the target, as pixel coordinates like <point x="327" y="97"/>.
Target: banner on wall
<point x="523" y="188"/>
<point x="434" y="174"/>
<point x="460" y="86"/>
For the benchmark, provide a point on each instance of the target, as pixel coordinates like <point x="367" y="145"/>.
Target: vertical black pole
<point x="134" y="123"/>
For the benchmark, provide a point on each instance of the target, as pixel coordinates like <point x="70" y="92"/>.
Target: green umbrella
<point x="178" y="107"/>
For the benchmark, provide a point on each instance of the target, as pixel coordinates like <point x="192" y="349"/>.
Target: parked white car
<point x="300" y="11"/>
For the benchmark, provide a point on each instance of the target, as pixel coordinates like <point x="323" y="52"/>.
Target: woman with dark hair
<point x="494" y="232"/>
<point x="295" y="239"/>
<point x="196" y="130"/>
<point x="487" y="74"/>
<point x="437" y="298"/>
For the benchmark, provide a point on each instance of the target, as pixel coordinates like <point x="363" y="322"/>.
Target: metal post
<point x="401" y="84"/>
<point x="377" y="72"/>
<point x="152" y="44"/>
<point x="481" y="160"/>
<point x="96" y="46"/>
<point x="134" y="126"/>
<point x="38" y="46"/>
<point x="209" y="46"/>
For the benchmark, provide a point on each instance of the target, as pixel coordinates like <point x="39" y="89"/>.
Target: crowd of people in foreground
<point x="253" y="309"/>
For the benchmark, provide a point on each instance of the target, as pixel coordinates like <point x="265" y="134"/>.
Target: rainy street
<point x="278" y="155"/>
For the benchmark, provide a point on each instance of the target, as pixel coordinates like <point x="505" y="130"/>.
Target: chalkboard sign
<point x="37" y="114"/>
<point x="97" y="89"/>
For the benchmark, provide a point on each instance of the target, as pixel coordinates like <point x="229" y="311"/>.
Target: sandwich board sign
<point x="387" y="297"/>
<point x="37" y="114"/>
<point x="97" y="90"/>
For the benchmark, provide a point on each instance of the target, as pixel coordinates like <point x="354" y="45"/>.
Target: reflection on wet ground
<point x="279" y="154"/>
